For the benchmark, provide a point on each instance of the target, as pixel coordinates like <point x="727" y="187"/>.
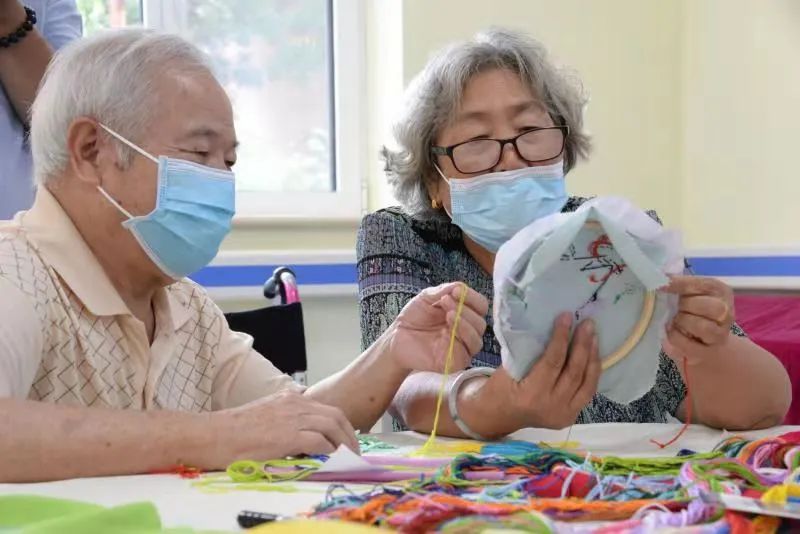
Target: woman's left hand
<point x="705" y="314"/>
<point x="420" y="336"/>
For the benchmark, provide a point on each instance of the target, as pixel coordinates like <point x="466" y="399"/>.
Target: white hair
<point x="109" y="77"/>
<point x="434" y="96"/>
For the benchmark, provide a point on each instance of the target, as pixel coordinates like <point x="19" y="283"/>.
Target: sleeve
<point x="393" y="267"/>
<point x="244" y="375"/>
<point x="21" y="341"/>
<point x="62" y="23"/>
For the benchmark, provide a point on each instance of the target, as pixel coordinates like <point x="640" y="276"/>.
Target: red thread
<point x="688" y="409"/>
<point x="184" y="471"/>
<point x="594" y="251"/>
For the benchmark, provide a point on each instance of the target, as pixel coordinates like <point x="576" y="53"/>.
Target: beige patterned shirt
<point x="66" y="336"/>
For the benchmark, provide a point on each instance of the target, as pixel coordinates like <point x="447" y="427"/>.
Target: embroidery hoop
<point x="639" y="329"/>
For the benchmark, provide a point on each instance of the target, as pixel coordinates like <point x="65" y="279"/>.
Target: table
<point x="180" y="504"/>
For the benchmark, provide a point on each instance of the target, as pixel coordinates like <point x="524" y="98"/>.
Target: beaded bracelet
<point x="20" y="33"/>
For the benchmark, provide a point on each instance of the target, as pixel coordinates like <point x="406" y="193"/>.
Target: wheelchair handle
<point x="282" y="281"/>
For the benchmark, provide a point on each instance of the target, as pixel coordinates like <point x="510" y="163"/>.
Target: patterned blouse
<point x="398" y="256"/>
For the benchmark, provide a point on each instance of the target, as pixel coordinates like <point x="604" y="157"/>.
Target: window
<point x="294" y="72"/>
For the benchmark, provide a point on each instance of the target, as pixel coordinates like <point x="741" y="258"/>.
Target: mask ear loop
<point x="129" y="144"/>
<point x="137" y="149"/>
<point x="444" y="207"/>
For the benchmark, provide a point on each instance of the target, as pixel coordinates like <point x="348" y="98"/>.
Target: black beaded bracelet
<point x="18" y="34"/>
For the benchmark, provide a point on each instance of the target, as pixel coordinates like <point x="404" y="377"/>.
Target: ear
<point x="432" y="182"/>
<point x="89" y="152"/>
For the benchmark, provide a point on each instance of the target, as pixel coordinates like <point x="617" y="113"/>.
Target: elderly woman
<point x="495" y="110"/>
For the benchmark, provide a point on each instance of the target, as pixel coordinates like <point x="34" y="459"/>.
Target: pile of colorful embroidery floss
<point x="423" y="512"/>
<point x="548" y="490"/>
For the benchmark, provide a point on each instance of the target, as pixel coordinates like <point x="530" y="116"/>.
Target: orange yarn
<point x="688" y="422"/>
<point x="763" y="524"/>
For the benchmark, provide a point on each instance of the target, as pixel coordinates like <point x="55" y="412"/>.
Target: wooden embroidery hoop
<point x="639" y="329"/>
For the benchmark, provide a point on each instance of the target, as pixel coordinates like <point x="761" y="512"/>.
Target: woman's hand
<point x="704" y="319"/>
<point x="420" y="335"/>
<point x="559" y="385"/>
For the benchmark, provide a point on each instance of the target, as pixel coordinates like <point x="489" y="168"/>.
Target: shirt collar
<point x="64" y="249"/>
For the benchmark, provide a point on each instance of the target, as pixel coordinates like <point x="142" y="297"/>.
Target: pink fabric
<point x="773" y="322"/>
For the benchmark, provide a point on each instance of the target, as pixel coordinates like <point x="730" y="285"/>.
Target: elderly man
<point x="111" y="361"/>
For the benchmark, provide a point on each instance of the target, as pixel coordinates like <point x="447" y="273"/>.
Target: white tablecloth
<point x="180" y="504"/>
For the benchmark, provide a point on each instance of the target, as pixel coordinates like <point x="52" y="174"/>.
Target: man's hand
<point x="559" y="385"/>
<point x="704" y="319"/>
<point x="280" y="425"/>
<point x="420" y="335"/>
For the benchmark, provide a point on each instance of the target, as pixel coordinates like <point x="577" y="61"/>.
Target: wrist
<point x="482" y="408"/>
<point x="390" y="350"/>
<point x="471" y="378"/>
<point x="207" y="436"/>
<point x="496" y="398"/>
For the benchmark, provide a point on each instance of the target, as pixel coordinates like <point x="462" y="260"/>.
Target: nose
<point x="510" y="159"/>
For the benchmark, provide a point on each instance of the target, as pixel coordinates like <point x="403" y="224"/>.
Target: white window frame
<point x="350" y="96"/>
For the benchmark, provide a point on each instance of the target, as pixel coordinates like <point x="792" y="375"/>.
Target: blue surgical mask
<point x="194" y="208"/>
<point x="491" y="208"/>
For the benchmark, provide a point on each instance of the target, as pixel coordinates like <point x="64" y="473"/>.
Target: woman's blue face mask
<point x="491" y="208"/>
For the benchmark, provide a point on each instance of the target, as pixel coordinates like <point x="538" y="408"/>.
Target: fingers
<point x="329" y="421"/>
<point x="342" y="424"/>
<point x="469" y="315"/>
<point x="708" y="307"/>
<point x="311" y="442"/>
<point x="675" y="343"/>
<point x="466" y="333"/>
<point x="591" y="378"/>
<point x="330" y="428"/>
<point x="548" y="368"/>
<point x="703" y="330"/>
<point x="571" y="377"/>
<point x="697" y="285"/>
<point x="473" y="299"/>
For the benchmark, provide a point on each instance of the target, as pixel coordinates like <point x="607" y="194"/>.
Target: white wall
<point x="742" y="123"/>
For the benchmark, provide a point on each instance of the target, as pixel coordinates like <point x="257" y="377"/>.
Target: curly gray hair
<point x="434" y="95"/>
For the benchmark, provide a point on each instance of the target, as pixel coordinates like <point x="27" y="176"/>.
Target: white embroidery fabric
<point x="598" y="262"/>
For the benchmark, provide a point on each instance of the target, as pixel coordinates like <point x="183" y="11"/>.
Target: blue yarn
<point x="510" y="448"/>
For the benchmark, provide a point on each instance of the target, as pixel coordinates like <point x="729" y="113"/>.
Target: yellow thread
<point x="448" y="362"/>
<point x="449" y="449"/>
<point x="781" y="493"/>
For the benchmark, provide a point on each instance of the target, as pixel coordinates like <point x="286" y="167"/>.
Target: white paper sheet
<point x="343" y="460"/>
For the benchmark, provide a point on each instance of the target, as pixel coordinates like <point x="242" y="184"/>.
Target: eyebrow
<point x="206" y="132"/>
<point x="515" y="109"/>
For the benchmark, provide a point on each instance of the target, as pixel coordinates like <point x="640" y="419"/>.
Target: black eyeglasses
<point x="480" y="155"/>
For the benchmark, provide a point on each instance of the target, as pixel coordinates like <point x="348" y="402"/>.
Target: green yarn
<point x="717" y="473"/>
<point x="613" y="465"/>
<point x="370" y="444"/>
<point x="252" y="471"/>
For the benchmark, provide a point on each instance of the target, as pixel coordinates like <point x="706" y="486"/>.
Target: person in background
<point x="490" y="129"/>
<point x="111" y="360"/>
<point x="29" y="34"/>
